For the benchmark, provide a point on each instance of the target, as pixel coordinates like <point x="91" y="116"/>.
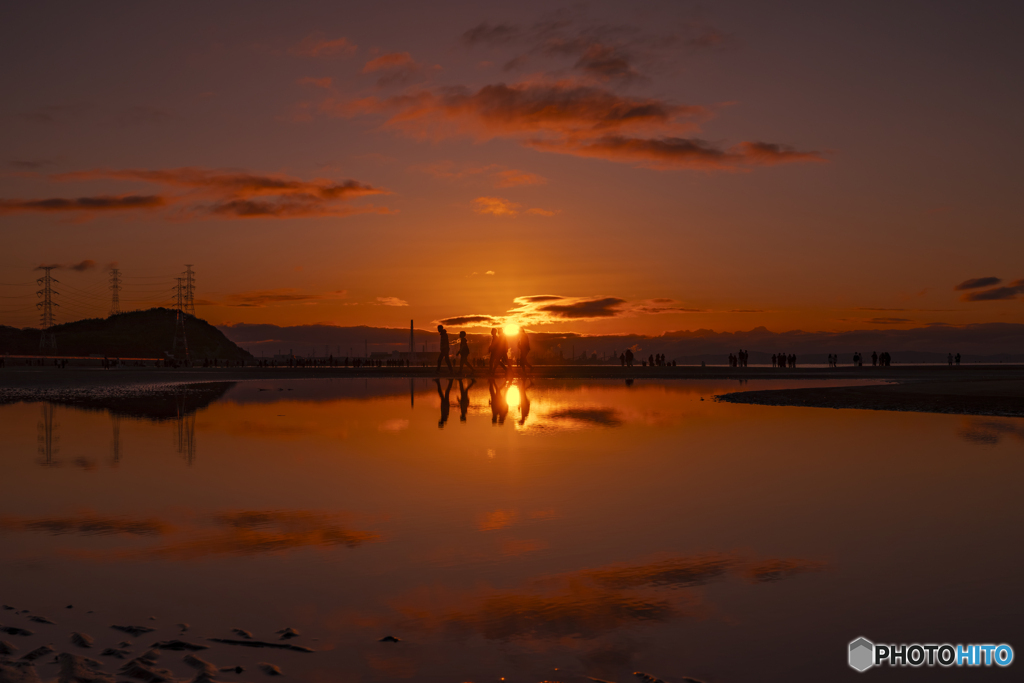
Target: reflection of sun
<point x="512" y="396"/>
<point x="511" y="330"/>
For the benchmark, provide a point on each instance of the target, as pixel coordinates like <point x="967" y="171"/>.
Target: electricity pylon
<point x="190" y="291"/>
<point x="179" y="322"/>
<point x="115" y="291"/>
<point x="47" y="341"/>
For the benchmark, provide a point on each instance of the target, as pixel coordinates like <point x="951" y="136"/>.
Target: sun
<point x="511" y="330"/>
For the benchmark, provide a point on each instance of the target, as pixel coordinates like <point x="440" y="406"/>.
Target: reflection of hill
<point x="167" y="403"/>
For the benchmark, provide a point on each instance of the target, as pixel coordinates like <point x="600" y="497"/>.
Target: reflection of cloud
<point x="607" y="417"/>
<point x="259" y="531"/>
<point x="395" y="425"/>
<point x="499" y="519"/>
<point x="990" y="431"/>
<point x="87" y="525"/>
<point x="592" y="602"/>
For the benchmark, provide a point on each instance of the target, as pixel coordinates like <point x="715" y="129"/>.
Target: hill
<point x="138" y="334"/>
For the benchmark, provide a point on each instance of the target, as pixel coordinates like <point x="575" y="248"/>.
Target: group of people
<point x="739" y="359"/>
<point x="877" y="359"/>
<point x="782" y="360"/>
<point x="953" y="359"/>
<point x="497" y="350"/>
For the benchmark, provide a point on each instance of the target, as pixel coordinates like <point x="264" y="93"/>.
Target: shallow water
<point x="593" y="529"/>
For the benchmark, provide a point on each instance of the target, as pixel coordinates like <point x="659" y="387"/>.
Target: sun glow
<point x="511" y="330"/>
<point x="512" y="396"/>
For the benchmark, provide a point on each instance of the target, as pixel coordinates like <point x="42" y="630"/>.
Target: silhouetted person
<point x="498" y="349"/>
<point x="524" y="347"/>
<point x="874" y="358"/>
<point x="622" y="359"/>
<point x="949" y="359"/>
<point x="464" y="399"/>
<point x="464" y="353"/>
<point x="445" y="350"/>
<point x="446" y="406"/>
<point x="957" y="358"/>
<point x="650" y="360"/>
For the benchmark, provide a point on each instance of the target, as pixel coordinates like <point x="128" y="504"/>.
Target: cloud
<point x="100" y="203"/>
<point x="513" y="178"/>
<point x="222" y="193"/>
<point x="996" y="294"/>
<point x="496" y="206"/>
<point x="674" y="152"/>
<point x="87" y="524"/>
<point x="396" y="68"/>
<point x="888" y="321"/>
<point x="975" y="283"/>
<point x="489" y="272"/>
<point x="476" y="320"/>
<point x="391" y="301"/>
<point x="324" y="82"/>
<point x="87" y="264"/>
<point x="494" y="34"/>
<point x="544" y="309"/>
<point x="316" y="45"/>
<point x="267" y="297"/>
<point x="564" y="117"/>
<point x="576" y="309"/>
<point x="607" y="62"/>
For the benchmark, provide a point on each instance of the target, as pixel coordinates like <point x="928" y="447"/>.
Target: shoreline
<point x="971" y="390"/>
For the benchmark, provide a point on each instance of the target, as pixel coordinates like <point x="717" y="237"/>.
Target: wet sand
<point x="974" y="389"/>
<point x="968" y="396"/>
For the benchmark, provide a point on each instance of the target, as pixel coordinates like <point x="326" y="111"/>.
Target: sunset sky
<point x="597" y="167"/>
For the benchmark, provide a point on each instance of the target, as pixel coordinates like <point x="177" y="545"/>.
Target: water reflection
<point x="557" y="531"/>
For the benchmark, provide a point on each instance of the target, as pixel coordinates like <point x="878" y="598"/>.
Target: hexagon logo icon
<point x="862" y="654"/>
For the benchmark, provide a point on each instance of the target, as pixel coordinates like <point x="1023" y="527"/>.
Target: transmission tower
<point x="115" y="291"/>
<point x="190" y="291"/>
<point x="47" y="341"/>
<point x="179" y="322"/>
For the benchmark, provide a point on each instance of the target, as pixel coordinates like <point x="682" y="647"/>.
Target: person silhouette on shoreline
<point x="498" y="349"/>
<point x="444" y="355"/>
<point x="524" y="348"/>
<point x="464" y="354"/>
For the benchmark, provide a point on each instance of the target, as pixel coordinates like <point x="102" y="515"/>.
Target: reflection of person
<point x="464" y="354"/>
<point x="445" y="349"/>
<point x="524" y="347"/>
<point x="499" y="405"/>
<point x="524" y="404"/>
<point x="446" y="405"/>
<point x="464" y="399"/>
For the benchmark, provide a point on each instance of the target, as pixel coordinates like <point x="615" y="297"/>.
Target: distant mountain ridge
<point x="138" y="334"/>
<point x="979" y="342"/>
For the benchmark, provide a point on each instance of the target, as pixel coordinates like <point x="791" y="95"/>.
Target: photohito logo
<point x="863" y="654"/>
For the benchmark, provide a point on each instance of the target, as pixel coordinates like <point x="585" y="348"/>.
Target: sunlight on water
<point x="532" y="531"/>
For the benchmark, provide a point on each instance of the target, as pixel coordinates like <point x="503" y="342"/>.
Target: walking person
<point x="444" y="355"/>
<point x="464" y="354"/>
<point x="524" y="348"/>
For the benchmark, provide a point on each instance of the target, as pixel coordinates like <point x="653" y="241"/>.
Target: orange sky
<point x="678" y="167"/>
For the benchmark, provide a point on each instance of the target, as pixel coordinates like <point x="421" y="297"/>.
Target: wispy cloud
<point x="566" y="117"/>
<point x="397" y="68"/>
<point x="318" y="45"/>
<point x="976" y="283"/>
<point x="268" y="297"/>
<point x="391" y="301"/>
<point x="997" y="293"/>
<point x="496" y="206"/>
<point x="544" y="309"/>
<point x="212" y="192"/>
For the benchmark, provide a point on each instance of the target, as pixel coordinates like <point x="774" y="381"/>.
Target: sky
<point x="600" y="167"/>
